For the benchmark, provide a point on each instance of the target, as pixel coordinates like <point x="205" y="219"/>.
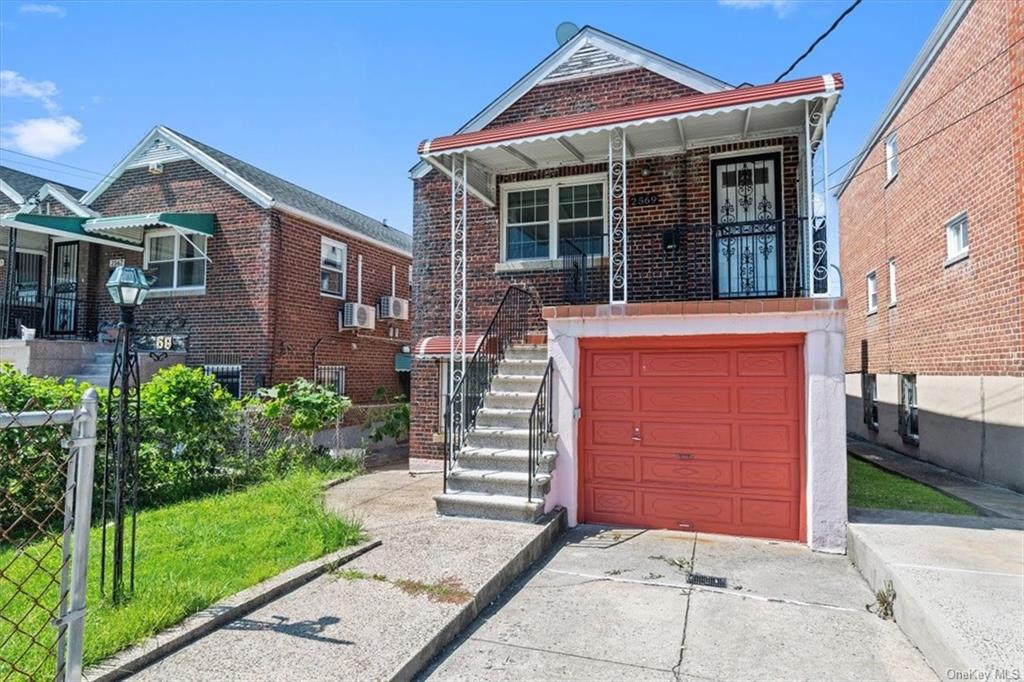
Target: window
<point x="869" y="396"/>
<point x="178" y="260"/>
<point x="331" y="376"/>
<point x="533" y="231"/>
<point x="872" y="293"/>
<point x="956" y="238"/>
<point x="333" y="258"/>
<point x="908" y="408"/>
<point x="892" y="282"/>
<point x="892" y="164"/>
<point x="228" y="376"/>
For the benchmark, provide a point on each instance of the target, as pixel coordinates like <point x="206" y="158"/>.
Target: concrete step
<point x="497" y="482"/>
<point x="504" y="459"/>
<point x="516" y="383"/>
<point x="503" y="400"/>
<point x="98" y="380"/>
<point x="527" y="352"/>
<point x="496" y="507"/>
<point x="522" y="367"/>
<point x="510" y="418"/>
<point x="498" y="437"/>
<point x="95" y="368"/>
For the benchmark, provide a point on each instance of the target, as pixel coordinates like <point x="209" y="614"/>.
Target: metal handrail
<point x="509" y="325"/>
<point x="540" y="424"/>
<point x="575" y="272"/>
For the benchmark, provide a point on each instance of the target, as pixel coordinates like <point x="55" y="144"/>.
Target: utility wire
<point x="820" y="38"/>
<point x="56" y="163"/>
<point x="936" y="132"/>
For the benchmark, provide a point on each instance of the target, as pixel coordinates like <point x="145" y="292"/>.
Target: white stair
<point x="96" y="372"/>
<point x="491" y="478"/>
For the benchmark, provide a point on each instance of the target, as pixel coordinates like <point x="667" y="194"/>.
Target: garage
<point x="693" y="433"/>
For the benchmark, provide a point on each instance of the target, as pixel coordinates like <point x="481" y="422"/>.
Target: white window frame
<point x="869" y="396"/>
<point x="892" y="157"/>
<point x="871" y="282"/>
<point x="552" y="185"/>
<point x="892" y="282"/>
<point x="327" y="241"/>
<point x="954" y="251"/>
<point x="178" y="236"/>
<point x="908" y="410"/>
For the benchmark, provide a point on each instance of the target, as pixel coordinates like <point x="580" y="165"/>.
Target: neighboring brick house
<point x="932" y="240"/>
<point x="661" y="258"/>
<point x="252" y="272"/>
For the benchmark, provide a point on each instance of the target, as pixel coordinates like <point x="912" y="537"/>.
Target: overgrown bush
<point x="187" y="426"/>
<point x="388" y="420"/>
<point x="31" y="458"/>
<point x="303" y="405"/>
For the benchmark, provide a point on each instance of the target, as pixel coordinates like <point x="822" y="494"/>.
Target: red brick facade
<point x="963" y="318"/>
<point x="261" y="306"/>
<point x="682" y="182"/>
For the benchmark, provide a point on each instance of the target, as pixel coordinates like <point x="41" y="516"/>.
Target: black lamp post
<point x="128" y="287"/>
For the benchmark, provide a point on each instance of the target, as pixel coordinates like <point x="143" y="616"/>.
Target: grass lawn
<point x="871" y="486"/>
<point x="188" y="556"/>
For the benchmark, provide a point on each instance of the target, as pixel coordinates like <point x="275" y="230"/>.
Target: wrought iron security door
<point x="746" y="194"/>
<point x="65" y="287"/>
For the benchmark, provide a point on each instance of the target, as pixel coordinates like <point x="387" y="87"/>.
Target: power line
<point x="936" y="132"/>
<point x="938" y="98"/>
<point x="824" y="35"/>
<point x="56" y="163"/>
<point x="37" y="168"/>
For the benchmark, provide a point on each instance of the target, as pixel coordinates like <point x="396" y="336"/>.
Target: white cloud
<point x="780" y="7"/>
<point x="37" y="8"/>
<point x="44" y="137"/>
<point x="13" y="84"/>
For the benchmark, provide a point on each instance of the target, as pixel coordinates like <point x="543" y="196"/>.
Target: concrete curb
<point x="555" y="524"/>
<point x="909" y="614"/>
<point x="226" y="610"/>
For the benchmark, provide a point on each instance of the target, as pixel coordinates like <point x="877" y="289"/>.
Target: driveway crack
<point x="677" y="669"/>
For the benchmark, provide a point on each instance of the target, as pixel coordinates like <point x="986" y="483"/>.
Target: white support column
<point x="618" y="247"/>
<point x="457" y="307"/>
<point x="819" y="247"/>
<point x="808" y="227"/>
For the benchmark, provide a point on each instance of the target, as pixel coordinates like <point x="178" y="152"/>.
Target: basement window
<point x="228" y="376"/>
<point x="908" y="426"/>
<point x="869" y="397"/>
<point x="331" y="376"/>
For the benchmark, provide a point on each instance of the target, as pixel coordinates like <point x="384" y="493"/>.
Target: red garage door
<point x="700" y="433"/>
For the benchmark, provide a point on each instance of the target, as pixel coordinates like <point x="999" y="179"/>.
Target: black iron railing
<point x="510" y="324"/>
<point x="774" y="258"/>
<point x="540" y="424"/>
<point x="577" y="268"/>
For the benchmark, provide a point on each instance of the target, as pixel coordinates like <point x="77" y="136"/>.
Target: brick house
<point x="623" y="305"/>
<point x="253" y="274"/>
<point x="932" y="240"/>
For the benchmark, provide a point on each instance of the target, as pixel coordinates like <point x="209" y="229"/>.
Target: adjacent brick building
<point x="252" y="296"/>
<point x="932" y="238"/>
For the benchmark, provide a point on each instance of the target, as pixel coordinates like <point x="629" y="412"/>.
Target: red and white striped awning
<point x="441" y="346"/>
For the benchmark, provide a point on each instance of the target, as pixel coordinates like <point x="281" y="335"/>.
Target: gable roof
<point x="163" y="144"/>
<point x="24" y="185"/>
<point x="588" y="52"/>
<point x="940" y="35"/>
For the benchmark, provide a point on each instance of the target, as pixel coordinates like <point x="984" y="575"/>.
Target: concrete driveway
<point x="613" y="604"/>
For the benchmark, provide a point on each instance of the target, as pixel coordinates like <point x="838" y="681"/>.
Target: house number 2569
<point x="644" y="200"/>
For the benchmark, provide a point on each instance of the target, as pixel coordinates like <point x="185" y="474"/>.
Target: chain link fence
<point x="47" y="459"/>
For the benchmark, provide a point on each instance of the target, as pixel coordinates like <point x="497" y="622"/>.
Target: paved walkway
<point x="991" y="500"/>
<point x="615" y="605"/>
<point x="380" y="610"/>
<point x="959" y="583"/>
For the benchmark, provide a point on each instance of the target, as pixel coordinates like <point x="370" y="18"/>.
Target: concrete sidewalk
<point x="990" y="500"/>
<point x="615" y="604"/>
<point x="385" y="614"/>
<point x="959" y="584"/>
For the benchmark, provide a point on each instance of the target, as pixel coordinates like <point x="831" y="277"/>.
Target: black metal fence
<point x="540" y="424"/>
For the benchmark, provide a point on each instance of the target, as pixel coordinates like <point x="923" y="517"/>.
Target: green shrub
<point x="391" y="419"/>
<point x="31" y="458"/>
<point x="305" y="406"/>
<point x="187" y="426"/>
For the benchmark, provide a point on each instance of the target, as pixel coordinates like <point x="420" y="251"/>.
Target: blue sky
<point x="336" y="96"/>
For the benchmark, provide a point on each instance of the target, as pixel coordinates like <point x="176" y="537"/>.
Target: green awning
<point x="196" y="223"/>
<point x="58" y="226"/>
<point x="403" y="362"/>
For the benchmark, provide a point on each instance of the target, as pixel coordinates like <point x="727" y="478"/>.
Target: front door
<point x="63" y="304"/>
<point x="746" y="195"/>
